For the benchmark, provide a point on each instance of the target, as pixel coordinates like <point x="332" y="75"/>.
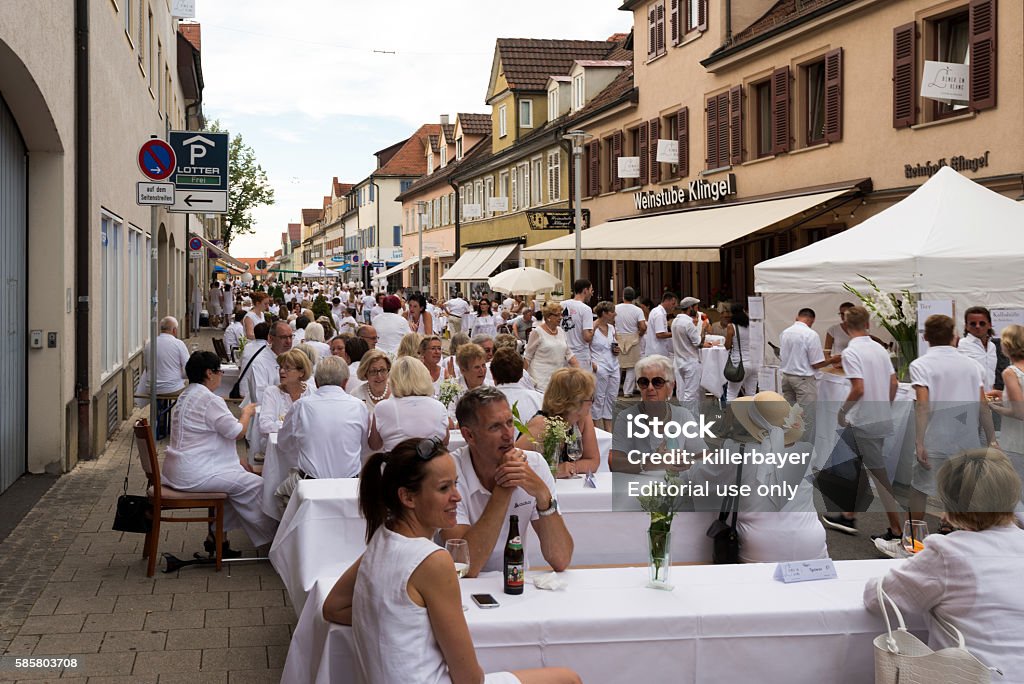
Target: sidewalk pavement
<point x="72" y="587"/>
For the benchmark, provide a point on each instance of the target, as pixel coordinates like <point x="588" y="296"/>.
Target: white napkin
<point x="550" y="581"/>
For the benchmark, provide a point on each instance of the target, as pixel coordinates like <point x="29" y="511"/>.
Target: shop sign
<point x="957" y="162"/>
<point x="945" y="81"/>
<point x="556" y="219"/>
<point x="695" y="190"/>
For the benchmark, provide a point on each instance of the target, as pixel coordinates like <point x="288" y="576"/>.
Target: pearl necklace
<point x="373" y="397"/>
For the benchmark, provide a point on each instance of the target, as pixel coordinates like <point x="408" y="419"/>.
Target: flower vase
<point x="906" y="351"/>
<point x="552" y="458"/>
<point x="659" y="546"/>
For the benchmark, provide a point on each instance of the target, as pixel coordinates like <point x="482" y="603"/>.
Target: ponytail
<point x="371" y="496"/>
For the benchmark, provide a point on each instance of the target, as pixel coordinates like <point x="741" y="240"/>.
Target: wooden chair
<point x="164" y="498"/>
<point x="222" y="352"/>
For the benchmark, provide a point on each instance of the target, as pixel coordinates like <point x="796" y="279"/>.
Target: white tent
<point x="950" y="239"/>
<point x="314" y="271"/>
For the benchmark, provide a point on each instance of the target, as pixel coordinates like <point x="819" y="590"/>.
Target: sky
<point x="315" y="87"/>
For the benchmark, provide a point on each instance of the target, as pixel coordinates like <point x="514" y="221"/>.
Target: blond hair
<point x="567" y="390"/>
<point x="368" y="359"/>
<point x="551" y="308"/>
<point x="979" y="489"/>
<point x="297" y="360"/>
<point x="410" y="378"/>
<point x="1012" y="341"/>
<point x="410" y="345"/>
<point x="468" y="353"/>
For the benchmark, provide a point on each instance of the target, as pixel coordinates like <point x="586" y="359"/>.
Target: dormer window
<point x="430" y="162"/>
<point x="526" y="113"/>
<point x="458" y="148"/>
<point x="502" y="121"/>
<point x="444" y="154"/>
<point x="578" y="93"/>
<point x="553" y="103"/>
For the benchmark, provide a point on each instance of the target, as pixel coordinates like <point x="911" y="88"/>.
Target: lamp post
<point x="577" y="138"/>
<point x="421" y="209"/>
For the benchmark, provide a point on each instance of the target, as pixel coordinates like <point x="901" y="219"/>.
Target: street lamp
<point x="578" y="137"/>
<point x="421" y="210"/>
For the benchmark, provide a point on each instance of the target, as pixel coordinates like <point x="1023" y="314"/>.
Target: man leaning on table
<point x="496" y="480"/>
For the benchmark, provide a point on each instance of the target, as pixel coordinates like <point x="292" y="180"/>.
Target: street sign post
<point x="201" y="172"/>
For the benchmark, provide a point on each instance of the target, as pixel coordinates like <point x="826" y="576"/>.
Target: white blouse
<point x="483" y="325"/>
<point x="202" y="444"/>
<point x="276" y="404"/>
<point x="400" y="418"/>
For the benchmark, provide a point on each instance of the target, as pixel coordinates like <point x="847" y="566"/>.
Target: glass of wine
<point x="458" y="549"/>
<point x="914" y="532"/>
<point x="573" y="451"/>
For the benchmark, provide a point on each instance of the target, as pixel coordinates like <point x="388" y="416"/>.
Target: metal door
<point x="13" y="333"/>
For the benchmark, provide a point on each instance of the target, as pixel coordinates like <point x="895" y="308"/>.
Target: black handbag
<point x="843" y="483"/>
<point x="724" y="535"/>
<point x="735" y="373"/>
<point x="236" y="392"/>
<point x="134" y="513"/>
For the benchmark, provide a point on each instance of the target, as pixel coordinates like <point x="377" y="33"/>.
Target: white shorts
<point x="501" y="678"/>
<point x="924" y="480"/>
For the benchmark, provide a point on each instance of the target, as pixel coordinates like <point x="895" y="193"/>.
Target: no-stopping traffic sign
<point x="156" y="159"/>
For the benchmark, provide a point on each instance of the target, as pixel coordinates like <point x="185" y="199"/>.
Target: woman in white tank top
<point x="404" y="584"/>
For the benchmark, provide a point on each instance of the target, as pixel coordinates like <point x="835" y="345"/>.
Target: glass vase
<point x="659" y="547"/>
<point x="905" y="351"/>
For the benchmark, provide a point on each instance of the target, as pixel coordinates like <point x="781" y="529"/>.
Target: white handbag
<point x="902" y="658"/>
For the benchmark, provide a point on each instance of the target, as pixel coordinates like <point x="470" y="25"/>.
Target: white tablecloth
<point x="721" y="624"/>
<point x="712" y="369"/>
<point x="322" y="532"/>
<point x="228" y="380"/>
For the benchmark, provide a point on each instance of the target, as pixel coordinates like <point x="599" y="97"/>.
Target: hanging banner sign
<point x="668" y="151"/>
<point x="945" y="81"/>
<point x="629" y="167"/>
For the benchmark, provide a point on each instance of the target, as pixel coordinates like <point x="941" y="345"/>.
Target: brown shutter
<point x="616" y="153"/>
<point x="643" y="140"/>
<point x="982" y="35"/>
<point x="661" y="27"/>
<point x="655" y="167"/>
<point x="683" y="137"/>
<point x="904" y="75"/>
<point x="834" y="95"/>
<point x="702" y="15"/>
<point x="673" y="21"/>
<point x="652" y="32"/>
<point x="736" y="125"/>
<point x="595" y="169"/>
<point x="713" y="133"/>
<point x="780" y="110"/>
<point x="783" y="243"/>
<point x="723" y="129"/>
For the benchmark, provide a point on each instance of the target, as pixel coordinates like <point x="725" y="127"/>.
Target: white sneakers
<point x="893" y="548"/>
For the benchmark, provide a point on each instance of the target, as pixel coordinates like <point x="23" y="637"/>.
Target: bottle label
<point x="514" y="575"/>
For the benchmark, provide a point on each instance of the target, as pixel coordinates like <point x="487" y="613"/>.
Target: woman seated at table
<point x="402" y="596"/>
<point x="472" y="360"/>
<point x="373" y="371"/>
<point x="430" y="354"/>
<point x="409" y="346"/>
<point x="969" y="578"/>
<point x="411" y="411"/>
<point x="201" y="455"/>
<point x="451" y="366"/>
<point x="569" y="396"/>
<point x="294" y="370"/>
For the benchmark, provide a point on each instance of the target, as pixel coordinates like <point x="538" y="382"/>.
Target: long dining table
<point x="721" y="623"/>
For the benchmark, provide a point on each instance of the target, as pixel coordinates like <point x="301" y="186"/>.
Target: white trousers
<point x="629" y="384"/>
<point x="748" y="384"/>
<point x="243" y="508"/>
<point x="605" y="393"/>
<point x="688" y="383"/>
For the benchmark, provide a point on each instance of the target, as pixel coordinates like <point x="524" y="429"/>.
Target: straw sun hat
<point x="775" y="410"/>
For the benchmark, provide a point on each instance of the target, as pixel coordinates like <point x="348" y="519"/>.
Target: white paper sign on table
<point x="1004" y="317"/>
<point x="668" y="151"/>
<point x="926" y="308"/>
<point x="755" y="308"/>
<point x="805" y="571"/>
<point x="629" y="167"/>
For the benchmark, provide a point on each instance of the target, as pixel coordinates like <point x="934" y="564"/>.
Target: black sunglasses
<point x="429" y="448"/>
<point x="644" y="383"/>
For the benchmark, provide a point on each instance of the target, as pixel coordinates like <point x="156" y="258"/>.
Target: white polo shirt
<point x="627" y="316"/>
<point x="657" y="322"/>
<point x="954" y="381"/>
<point x="800" y="350"/>
<point x="972" y="347"/>
<point x="475" y="499"/>
<point x="685" y="339"/>
<point x="866" y="359"/>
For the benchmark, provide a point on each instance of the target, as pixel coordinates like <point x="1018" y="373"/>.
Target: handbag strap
<point x="131" y="446"/>
<point x="727" y="505"/>
<point x="739" y="347"/>
<point x="890" y="642"/>
<point x="250" y="363"/>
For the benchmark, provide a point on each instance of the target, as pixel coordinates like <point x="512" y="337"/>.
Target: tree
<point x="248" y="188"/>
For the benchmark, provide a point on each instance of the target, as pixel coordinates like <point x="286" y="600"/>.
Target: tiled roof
<point x="435" y="143"/>
<point x="477" y="152"/>
<point x="780" y="13"/>
<point x="311" y="216"/>
<point x="604" y="62"/>
<point x="475" y="124"/>
<point x="295" y="231"/>
<point x="409" y="159"/>
<point x="449" y="132"/>
<point x="192" y="33"/>
<point x="327" y="201"/>
<point x="528" y="62"/>
<point x="340" y="189"/>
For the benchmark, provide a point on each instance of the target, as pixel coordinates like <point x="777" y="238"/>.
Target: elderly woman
<point x="294" y="370"/>
<point x="202" y="457"/>
<point x="373" y="371"/>
<point x="604" y="352"/>
<point x="411" y="411"/>
<point x="569" y="396"/>
<point x="654" y="379"/>
<point x="402" y="596"/>
<point x="548" y="350"/>
<point x="472" y="360"/>
<point x="410" y="345"/>
<point x="969" y="578"/>
<point x="315" y="340"/>
<point x="430" y="354"/>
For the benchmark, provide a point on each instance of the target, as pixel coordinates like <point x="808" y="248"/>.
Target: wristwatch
<point x="550" y="510"/>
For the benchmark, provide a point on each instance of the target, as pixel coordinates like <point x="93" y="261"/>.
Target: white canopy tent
<point x="314" y="271"/>
<point x="950" y="239"/>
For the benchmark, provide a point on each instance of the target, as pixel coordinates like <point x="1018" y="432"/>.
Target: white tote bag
<point x="902" y="658"/>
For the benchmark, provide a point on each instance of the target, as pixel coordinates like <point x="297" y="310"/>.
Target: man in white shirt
<point x="368" y="302"/>
<point x="977" y="344"/>
<point x="802" y="356"/>
<point x="171" y="357"/>
<point x="630" y="326"/>
<point x="328" y="428"/>
<point x="456" y="308"/>
<point x="234" y="333"/>
<point x="659" y="337"/>
<point x="867" y="415"/>
<point x="578" y="323"/>
<point x="496" y="480"/>
<point x="264" y="369"/>
<point x="687" y="339"/>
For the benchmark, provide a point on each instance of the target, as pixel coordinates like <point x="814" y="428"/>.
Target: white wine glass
<point x="458" y="549"/>
<point x="914" y="532"/>
<point x="574" y="452"/>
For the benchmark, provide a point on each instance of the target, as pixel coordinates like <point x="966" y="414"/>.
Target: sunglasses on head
<point x="427" y="449"/>
<point x="644" y="383"/>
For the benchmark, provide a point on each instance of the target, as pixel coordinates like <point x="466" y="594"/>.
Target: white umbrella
<point x="524" y="280"/>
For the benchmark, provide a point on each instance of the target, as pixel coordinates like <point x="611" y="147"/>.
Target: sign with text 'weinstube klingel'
<point x="201" y="174"/>
<point x="695" y="190"/>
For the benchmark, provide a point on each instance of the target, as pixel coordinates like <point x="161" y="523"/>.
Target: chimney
<point x="444" y="119"/>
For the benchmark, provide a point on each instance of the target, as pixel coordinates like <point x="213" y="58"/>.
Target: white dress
<point x="394" y="640"/>
<point x="482" y="325"/>
<point x="546" y="353"/>
<point x="400" y="418"/>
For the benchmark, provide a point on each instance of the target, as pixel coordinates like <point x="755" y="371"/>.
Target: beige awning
<point x="479" y="263"/>
<point x="693" y="235"/>
<point x="222" y="254"/>
<point x="408" y="263"/>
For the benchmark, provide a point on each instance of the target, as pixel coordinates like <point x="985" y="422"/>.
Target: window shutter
<point x="673" y="21"/>
<point x="702" y="15"/>
<point x="982" y="36"/>
<point x="780" y="110"/>
<point x="594" y="170"/>
<point x="616" y="153"/>
<point x="655" y="167"/>
<point x="736" y="125"/>
<point x="515" y="195"/>
<point x="660" y="22"/>
<point x="683" y="137"/>
<point x="723" y="129"/>
<point x="904" y="75"/>
<point x="783" y="243"/>
<point x="712" y="133"/>
<point x="652" y="32"/>
<point x="643" y="137"/>
<point x="834" y="95"/>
